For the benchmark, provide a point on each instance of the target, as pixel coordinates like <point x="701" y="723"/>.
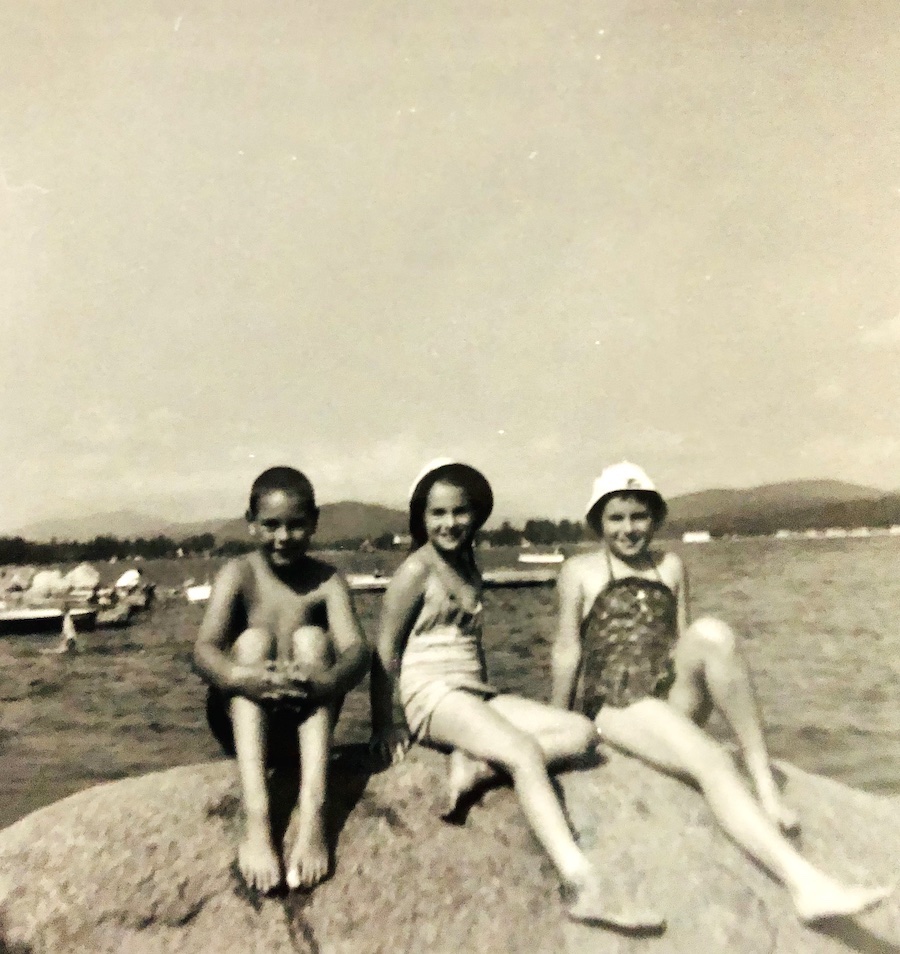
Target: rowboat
<point x="32" y="620"/>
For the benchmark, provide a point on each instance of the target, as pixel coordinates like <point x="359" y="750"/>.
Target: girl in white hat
<point x="650" y="681"/>
<point x="429" y="646"/>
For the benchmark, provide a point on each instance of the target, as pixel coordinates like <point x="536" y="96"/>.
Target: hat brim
<point x="658" y="507"/>
<point x="476" y="484"/>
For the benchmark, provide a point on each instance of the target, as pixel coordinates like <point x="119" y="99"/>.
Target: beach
<point x="818" y="619"/>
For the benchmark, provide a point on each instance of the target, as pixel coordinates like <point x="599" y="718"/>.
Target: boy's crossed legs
<point x="307" y="862"/>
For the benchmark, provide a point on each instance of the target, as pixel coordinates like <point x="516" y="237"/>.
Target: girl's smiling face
<point x="449" y="517"/>
<point x="628" y="526"/>
<point x="284" y="525"/>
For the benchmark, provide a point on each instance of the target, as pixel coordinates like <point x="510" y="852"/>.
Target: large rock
<point x="146" y="865"/>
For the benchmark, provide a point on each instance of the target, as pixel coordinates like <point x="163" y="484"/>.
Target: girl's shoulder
<point x="670" y="567"/>
<point x="413" y="573"/>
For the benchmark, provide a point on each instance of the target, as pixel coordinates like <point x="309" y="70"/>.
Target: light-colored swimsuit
<point x="629" y="636"/>
<point x="443" y="653"/>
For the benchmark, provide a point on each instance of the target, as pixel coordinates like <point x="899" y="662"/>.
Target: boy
<point x="280" y="645"/>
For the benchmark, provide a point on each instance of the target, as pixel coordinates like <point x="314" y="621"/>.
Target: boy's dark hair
<point x="287" y="480"/>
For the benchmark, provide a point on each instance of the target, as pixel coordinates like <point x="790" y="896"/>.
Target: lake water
<point x="818" y="618"/>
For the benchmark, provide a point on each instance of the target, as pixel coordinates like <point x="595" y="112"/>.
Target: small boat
<point x="32" y="620"/>
<point x="513" y="579"/>
<point x="367" y="582"/>
<point x="555" y="557"/>
<point x="199" y="593"/>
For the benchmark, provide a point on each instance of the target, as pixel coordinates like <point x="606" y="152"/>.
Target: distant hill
<point x="797" y="505"/>
<point x="338" y="521"/>
<point x="124" y="524"/>
<point x="793" y="495"/>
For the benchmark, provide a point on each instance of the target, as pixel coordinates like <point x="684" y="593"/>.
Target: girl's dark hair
<point x="467" y="478"/>
<point x="286" y="479"/>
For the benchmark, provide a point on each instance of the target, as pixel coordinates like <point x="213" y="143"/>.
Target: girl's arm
<point x="402" y="601"/>
<point x="566" y="655"/>
<point x="680" y="586"/>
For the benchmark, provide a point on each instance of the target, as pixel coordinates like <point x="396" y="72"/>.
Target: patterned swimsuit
<point x="629" y="635"/>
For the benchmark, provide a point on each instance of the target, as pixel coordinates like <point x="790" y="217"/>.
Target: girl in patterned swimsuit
<point x="429" y="646"/>
<point x="651" y="680"/>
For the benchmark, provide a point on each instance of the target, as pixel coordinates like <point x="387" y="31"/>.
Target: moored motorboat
<point x="28" y="620"/>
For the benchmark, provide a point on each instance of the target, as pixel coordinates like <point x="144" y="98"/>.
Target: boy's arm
<point x="402" y="600"/>
<point x="566" y="654"/>
<point x="211" y="660"/>
<point x="351" y="651"/>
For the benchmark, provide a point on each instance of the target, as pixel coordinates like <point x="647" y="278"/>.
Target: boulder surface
<point x="146" y="866"/>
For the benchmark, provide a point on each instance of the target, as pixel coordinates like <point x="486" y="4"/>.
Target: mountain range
<point x="791" y="505"/>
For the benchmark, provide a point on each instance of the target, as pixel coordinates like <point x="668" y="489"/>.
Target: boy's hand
<point x="390" y="745"/>
<point x="267" y="683"/>
<point x="314" y="685"/>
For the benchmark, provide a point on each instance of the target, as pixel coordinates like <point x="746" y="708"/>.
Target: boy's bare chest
<point x="277" y="607"/>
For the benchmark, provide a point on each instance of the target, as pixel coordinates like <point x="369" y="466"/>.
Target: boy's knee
<point x="254" y="645"/>
<point x="311" y="646"/>
<point x="715" y="635"/>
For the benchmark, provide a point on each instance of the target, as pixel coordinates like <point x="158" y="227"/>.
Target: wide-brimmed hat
<point x="476" y="484"/>
<point x="621" y="478"/>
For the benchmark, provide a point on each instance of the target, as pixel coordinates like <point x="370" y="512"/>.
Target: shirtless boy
<point x="280" y="645"/>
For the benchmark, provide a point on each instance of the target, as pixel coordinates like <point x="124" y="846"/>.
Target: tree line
<point x="17" y="550"/>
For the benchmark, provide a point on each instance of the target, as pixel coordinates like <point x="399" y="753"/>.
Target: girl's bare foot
<point x="466" y="775"/>
<point x="309" y="861"/>
<point x="588" y="903"/>
<point x="827" y="898"/>
<point x="257" y="860"/>
<point x="787" y="820"/>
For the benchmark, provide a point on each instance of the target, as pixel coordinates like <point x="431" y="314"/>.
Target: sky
<point x="538" y="236"/>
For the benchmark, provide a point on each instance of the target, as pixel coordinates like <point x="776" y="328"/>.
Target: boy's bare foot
<point x="309" y="861"/>
<point x="588" y="903"/>
<point x="466" y="775"/>
<point x="257" y="860"/>
<point x="830" y="899"/>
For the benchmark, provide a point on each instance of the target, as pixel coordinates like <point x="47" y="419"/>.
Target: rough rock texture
<point x="146" y="865"/>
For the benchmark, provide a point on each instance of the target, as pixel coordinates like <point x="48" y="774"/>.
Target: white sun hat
<point x="471" y="478"/>
<point x="616" y="479"/>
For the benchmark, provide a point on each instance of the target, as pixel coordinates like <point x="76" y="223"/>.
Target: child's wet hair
<point x="288" y="480"/>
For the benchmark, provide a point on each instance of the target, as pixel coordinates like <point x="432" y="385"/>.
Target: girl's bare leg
<point x="308" y="861"/>
<point x="257" y="858"/>
<point x="654" y="731"/>
<point x="711" y="672"/>
<point x="560" y="735"/>
<point x="465" y="721"/>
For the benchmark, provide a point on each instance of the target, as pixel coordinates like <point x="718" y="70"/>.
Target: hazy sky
<point x="542" y="235"/>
